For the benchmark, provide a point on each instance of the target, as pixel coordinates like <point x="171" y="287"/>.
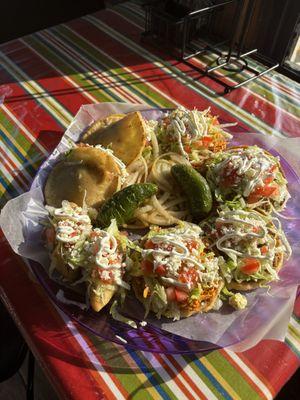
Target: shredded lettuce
<point x="195" y="294"/>
<point x="118" y="317"/>
<point x="157" y="301"/>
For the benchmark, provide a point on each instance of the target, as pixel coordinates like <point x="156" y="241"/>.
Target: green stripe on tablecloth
<point x="66" y="66"/>
<point x="235" y="384"/>
<point x="49" y="103"/>
<point x="232" y="376"/>
<point x="29" y="148"/>
<point x="295" y="333"/>
<point x="10" y="191"/>
<point x="97" y="56"/>
<point x="292" y="346"/>
<point x="200" y="372"/>
<point x="126" y="371"/>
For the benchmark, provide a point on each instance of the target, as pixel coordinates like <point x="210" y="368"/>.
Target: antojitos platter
<point x="206" y="214"/>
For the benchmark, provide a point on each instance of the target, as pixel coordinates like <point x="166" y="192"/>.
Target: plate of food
<point x="162" y="231"/>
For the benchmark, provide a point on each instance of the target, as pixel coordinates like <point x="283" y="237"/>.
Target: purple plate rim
<point x="168" y="335"/>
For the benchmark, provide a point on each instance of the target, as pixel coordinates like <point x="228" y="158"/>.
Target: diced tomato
<point x="263" y="191"/>
<point x="187" y="149"/>
<point x="264" y="249"/>
<point x="252" y="198"/>
<point x="229" y="176"/>
<point x="147" y="267"/>
<point x="250" y="266"/>
<point x="206" y="141"/>
<point x="192" y="244"/>
<point x="160" y="270"/>
<point x="170" y="292"/>
<point x="180" y="296"/>
<point x="269" y="179"/>
<point x="174" y="294"/>
<point x="267" y="191"/>
<point x="73" y="234"/>
<point x="149" y="245"/>
<point x="255" y="229"/>
<point x="50" y="235"/>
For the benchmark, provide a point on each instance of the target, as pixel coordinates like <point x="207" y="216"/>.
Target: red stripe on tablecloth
<point x="185" y="376"/>
<point x="173" y="375"/>
<point x="144" y="69"/>
<point x="44" y="127"/>
<point x="34" y="118"/>
<point x="272" y="361"/>
<point x="47" y="77"/>
<point x="246" y="377"/>
<point x="46" y="334"/>
<point x="266" y="110"/>
<point x="84" y="62"/>
<point x="282" y="87"/>
<point x="102" y="361"/>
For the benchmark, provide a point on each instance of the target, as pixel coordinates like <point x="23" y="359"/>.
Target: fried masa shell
<point x="126" y="137"/>
<point x="86" y="174"/>
<point x="206" y="301"/>
<point x="97" y="302"/>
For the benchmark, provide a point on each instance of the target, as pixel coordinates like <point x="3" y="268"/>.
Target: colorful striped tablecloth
<point x="45" y="77"/>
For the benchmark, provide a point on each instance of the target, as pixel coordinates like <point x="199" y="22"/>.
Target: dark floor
<point x="15" y="387"/>
<point x="291" y="390"/>
<point x="24" y="17"/>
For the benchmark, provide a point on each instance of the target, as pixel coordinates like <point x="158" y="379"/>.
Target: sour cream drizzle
<point x="106" y="247"/>
<point x="174" y="257"/>
<point x="242" y="229"/>
<point x="253" y="163"/>
<point x="70" y="211"/>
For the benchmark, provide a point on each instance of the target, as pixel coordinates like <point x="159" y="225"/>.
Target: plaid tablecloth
<point x="45" y="77"/>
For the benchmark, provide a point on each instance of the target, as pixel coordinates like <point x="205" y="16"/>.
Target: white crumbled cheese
<point x="172" y="251"/>
<point x="70" y="211"/>
<point x="238" y="301"/>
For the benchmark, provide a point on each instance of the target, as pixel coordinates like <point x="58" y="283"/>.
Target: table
<point x="45" y="77"/>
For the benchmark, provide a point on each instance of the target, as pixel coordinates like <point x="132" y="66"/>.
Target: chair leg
<point x="30" y="377"/>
